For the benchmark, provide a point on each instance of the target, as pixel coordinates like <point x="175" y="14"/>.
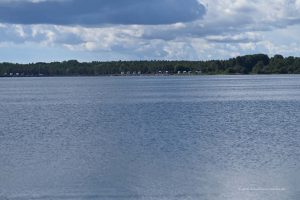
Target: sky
<point x="103" y="30"/>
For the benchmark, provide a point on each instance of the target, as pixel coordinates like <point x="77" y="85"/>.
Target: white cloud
<point x="229" y="28"/>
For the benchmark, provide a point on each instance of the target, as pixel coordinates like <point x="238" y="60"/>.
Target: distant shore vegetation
<point x="248" y="64"/>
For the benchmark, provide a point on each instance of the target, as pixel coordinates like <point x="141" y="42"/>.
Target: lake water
<point x="204" y="137"/>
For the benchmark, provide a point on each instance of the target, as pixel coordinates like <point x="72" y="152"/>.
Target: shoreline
<point x="149" y="75"/>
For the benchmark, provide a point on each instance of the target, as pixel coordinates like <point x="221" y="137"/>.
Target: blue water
<point x="205" y="137"/>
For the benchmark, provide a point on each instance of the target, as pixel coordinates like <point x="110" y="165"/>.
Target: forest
<point x="248" y="64"/>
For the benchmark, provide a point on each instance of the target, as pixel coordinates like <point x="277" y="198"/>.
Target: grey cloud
<point x="99" y="12"/>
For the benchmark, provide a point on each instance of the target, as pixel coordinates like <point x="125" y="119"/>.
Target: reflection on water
<point x="218" y="137"/>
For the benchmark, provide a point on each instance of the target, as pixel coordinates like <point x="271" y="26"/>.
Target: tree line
<point x="248" y="64"/>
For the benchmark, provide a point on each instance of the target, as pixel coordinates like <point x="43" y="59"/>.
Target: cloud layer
<point x="143" y="29"/>
<point x="99" y="12"/>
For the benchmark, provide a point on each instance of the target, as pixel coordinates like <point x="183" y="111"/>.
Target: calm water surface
<point x="210" y="138"/>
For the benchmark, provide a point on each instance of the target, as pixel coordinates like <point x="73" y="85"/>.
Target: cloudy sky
<point x="56" y="30"/>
